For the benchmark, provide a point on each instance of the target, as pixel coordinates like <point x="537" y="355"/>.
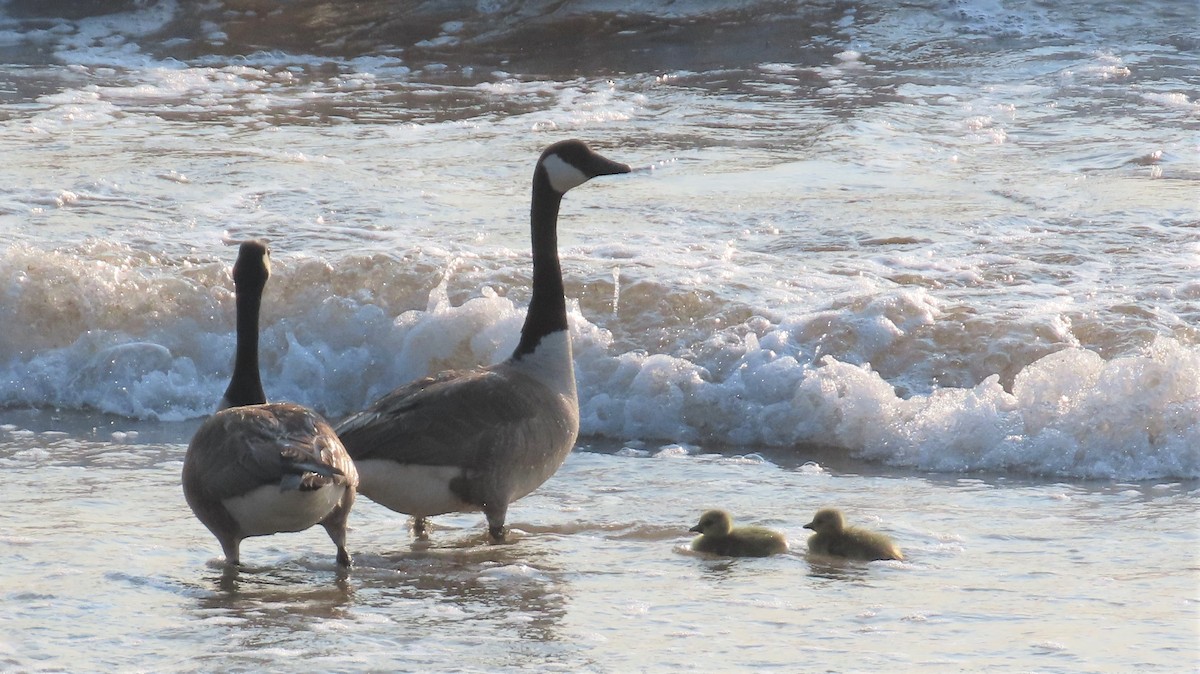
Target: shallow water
<point x="931" y="262"/>
<point x="113" y="574"/>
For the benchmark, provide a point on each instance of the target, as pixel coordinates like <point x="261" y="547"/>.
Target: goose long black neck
<point x="245" y="386"/>
<point x="548" y="306"/>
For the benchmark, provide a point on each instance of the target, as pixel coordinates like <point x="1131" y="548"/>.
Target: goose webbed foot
<point x="232" y="550"/>
<point x="230" y="575"/>
<point x="497" y="533"/>
<point x="420" y="528"/>
<point x="496" y="514"/>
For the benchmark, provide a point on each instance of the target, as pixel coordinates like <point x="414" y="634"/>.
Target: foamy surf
<point x="120" y="332"/>
<point x="930" y="262"/>
<point x="812" y="258"/>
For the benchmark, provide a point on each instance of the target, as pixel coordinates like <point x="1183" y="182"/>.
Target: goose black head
<point x="570" y="163"/>
<point x="253" y="266"/>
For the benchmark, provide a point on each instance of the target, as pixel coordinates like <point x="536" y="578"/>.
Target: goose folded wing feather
<point x="445" y="420"/>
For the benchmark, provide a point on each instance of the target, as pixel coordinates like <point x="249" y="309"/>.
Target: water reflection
<point x="831" y="568"/>
<point x="252" y="616"/>
<point x="519" y="584"/>
<point x="280" y="595"/>
<point x="718" y="570"/>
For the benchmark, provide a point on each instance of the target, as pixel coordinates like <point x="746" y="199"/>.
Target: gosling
<point x="835" y="539"/>
<point x="718" y="537"/>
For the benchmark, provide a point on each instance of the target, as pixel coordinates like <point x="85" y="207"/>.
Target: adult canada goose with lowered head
<point x="477" y="440"/>
<point x="256" y="468"/>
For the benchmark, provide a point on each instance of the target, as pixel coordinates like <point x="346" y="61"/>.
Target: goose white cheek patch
<point x="563" y="176"/>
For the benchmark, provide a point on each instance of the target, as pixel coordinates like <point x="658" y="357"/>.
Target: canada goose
<point x="835" y="539"/>
<point x="719" y="537"/>
<point x="255" y="468"/>
<point x="471" y="440"/>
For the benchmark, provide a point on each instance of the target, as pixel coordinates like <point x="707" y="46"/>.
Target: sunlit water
<point x="933" y="263"/>
<point x="106" y="570"/>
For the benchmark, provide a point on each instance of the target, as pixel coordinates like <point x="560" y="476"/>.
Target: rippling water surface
<point x="113" y="574"/>
<point x="932" y="262"/>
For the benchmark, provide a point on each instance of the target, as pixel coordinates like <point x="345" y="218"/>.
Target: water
<point x="930" y="262"/>
<point x="1003" y="574"/>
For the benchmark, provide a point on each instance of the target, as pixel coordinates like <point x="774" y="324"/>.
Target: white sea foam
<point x="975" y="321"/>
<point x="511" y="574"/>
<point x="766" y="383"/>
<point x="946" y="253"/>
<point x="110" y="39"/>
<point x="1173" y="100"/>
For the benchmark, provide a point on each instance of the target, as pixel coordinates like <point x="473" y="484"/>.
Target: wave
<point x="594" y="35"/>
<point x="107" y="328"/>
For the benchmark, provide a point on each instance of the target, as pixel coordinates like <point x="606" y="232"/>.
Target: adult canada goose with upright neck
<point x="477" y="440"/>
<point x="255" y="468"/>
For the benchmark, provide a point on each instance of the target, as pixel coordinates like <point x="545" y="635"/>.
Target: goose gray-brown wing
<point x="306" y="445"/>
<point x="450" y="419"/>
<point x="276" y="443"/>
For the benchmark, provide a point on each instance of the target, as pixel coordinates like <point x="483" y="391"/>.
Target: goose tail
<point x="307" y="475"/>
